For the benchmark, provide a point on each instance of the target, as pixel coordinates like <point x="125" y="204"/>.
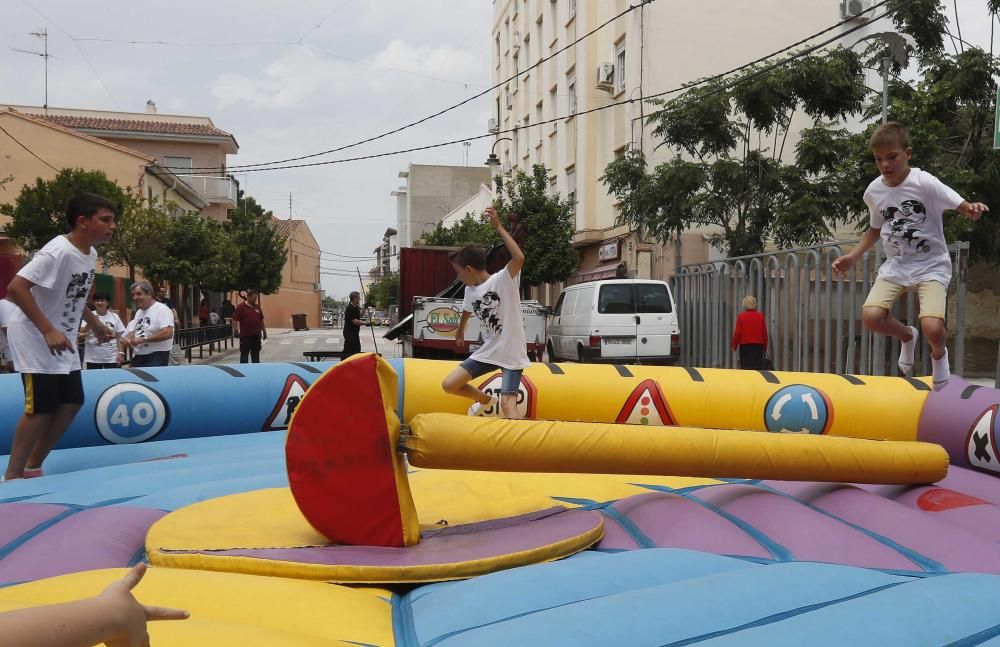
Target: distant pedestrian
<point x="107" y="354"/>
<point x="248" y="320"/>
<point x="352" y="326"/>
<point x="150" y="334"/>
<point x="750" y="336"/>
<point x="50" y="293"/>
<point x="203" y="311"/>
<point x="163" y="296"/>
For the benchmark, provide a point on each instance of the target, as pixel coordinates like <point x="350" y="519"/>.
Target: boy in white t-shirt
<point x="51" y="295"/>
<point x="906" y="206"/>
<point x="97" y="354"/>
<point x="495" y="299"/>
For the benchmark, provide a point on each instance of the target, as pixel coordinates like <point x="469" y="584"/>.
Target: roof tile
<point x="128" y="125"/>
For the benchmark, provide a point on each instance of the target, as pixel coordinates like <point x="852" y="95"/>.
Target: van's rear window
<point x="653" y="297"/>
<point x="616" y="298"/>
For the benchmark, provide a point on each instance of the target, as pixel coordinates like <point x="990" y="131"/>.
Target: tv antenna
<point x="44" y="35"/>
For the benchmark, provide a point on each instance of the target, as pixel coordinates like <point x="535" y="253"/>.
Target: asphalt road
<point x="285" y="345"/>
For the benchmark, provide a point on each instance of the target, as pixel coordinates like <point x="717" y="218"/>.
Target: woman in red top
<point x="750" y="336"/>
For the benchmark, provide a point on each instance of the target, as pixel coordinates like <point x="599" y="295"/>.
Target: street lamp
<point x="494" y="163"/>
<point x="897" y="46"/>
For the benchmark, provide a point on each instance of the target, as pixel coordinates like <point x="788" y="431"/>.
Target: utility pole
<point x="44" y="35"/>
<point x="289" y="205"/>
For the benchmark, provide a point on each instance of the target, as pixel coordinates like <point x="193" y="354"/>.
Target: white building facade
<point x="539" y="117"/>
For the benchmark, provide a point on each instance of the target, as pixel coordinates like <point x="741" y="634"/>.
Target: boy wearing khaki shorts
<point x="906" y="206"/>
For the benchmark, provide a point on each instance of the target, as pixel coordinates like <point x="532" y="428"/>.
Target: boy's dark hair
<point x="102" y="296"/>
<point x="890" y="133"/>
<point x="86" y="205"/>
<point x="473" y="256"/>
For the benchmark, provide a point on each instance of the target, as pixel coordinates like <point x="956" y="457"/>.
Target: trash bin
<point x="299" y="321"/>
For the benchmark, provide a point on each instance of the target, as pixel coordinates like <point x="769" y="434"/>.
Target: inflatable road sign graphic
<point x="646" y="406"/>
<point x="291" y="395"/>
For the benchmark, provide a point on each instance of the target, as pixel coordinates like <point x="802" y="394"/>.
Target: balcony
<point x="215" y="190"/>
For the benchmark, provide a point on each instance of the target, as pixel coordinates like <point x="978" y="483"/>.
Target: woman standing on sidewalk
<point x="750" y="336"/>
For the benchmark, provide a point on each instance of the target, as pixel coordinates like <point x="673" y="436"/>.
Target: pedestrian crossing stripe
<point x="646" y="406"/>
<point x="291" y="395"/>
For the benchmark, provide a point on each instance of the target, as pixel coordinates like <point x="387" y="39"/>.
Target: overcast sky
<point x="360" y="68"/>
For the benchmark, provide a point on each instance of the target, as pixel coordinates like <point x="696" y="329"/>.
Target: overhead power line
<point x="681" y="88"/>
<point x="249" y="167"/>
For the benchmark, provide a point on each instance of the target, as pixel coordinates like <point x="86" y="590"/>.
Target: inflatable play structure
<point x="319" y="504"/>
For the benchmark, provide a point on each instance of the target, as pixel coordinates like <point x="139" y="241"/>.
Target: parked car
<point x="615" y="321"/>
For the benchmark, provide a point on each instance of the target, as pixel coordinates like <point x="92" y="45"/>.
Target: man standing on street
<point x="352" y="326"/>
<point x="249" y="323"/>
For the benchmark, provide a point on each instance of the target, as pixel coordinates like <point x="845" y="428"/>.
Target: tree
<point x="731" y="134"/>
<point x="142" y="224"/>
<point x="547" y="224"/>
<point x="260" y="250"/>
<point x="727" y="169"/>
<point x="38" y="214"/>
<point x="470" y="229"/>
<point x="196" y="251"/>
<point x="382" y="292"/>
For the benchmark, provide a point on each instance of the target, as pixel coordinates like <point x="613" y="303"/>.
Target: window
<point x="559" y="304"/>
<point x="539" y="117"/>
<point x="553" y="105"/>
<point x="554" y="19"/>
<point x="179" y="165"/>
<point x="570" y="305"/>
<point x="616" y="298"/>
<point x="653" y="297"/>
<point x="620" y="67"/>
<point x="571" y="187"/>
<point x="572" y="9"/>
<point x="571" y="90"/>
<point x="498" y="49"/>
<point x="515" y="7"/>
<point x="585" y="302"/>
<point x="506" y="29"/>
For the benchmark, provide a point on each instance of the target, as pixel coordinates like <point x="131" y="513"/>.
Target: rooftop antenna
<point x="44" y="35"/>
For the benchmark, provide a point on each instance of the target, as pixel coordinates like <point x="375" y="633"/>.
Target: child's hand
<point x="494" y="219"/>
<point x="460" y="342"/>
<point x="58" y="342"/>
<point x="974" y="210"/>
<point x="103" y="334"/>
<point x="128" y="615"/>
<point x="842" y="264"/>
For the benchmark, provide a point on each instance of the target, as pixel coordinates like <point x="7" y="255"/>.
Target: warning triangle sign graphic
<point x="291" y="395"/>
<point x="646" y="406"/>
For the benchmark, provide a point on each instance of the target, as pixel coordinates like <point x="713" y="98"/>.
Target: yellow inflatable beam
<point x="449" y="441"/>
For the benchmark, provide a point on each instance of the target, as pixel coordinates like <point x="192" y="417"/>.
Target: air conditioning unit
<point x="317" y="286"/>
<point x="605" y="76"/>
<point x="860" y="10"/>
<point x="515" y="41"/>
<point x="492" y="126"/>
<point x="510" y="101"/>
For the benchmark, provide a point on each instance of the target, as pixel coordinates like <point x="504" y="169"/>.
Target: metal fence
<point x="813" y="316"/>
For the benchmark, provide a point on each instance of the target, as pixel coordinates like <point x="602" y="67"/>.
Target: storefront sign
<point x="609" y="251"/>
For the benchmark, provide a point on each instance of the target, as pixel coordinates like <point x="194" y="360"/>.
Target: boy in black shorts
<point x="50" y="293"/>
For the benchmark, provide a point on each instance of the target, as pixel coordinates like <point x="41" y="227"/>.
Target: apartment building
<point x="191" y="148"/>
<point x="544" y="115"/>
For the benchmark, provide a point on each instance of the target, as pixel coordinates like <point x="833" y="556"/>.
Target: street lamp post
<point x="897" y="45"/>
<point x="494" y="163"/>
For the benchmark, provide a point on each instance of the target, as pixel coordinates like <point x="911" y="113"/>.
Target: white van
<point x="620" y="321"/>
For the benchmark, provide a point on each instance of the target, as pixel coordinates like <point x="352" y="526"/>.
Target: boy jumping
<point x="50" y="293"/>
<point x="906" y="206"/>
<point x="496" y="301"/>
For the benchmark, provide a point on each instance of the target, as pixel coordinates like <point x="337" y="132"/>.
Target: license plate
<point x="618" y="340"/>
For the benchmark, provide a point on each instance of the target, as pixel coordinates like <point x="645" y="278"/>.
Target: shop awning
<point x="608" y="271"/>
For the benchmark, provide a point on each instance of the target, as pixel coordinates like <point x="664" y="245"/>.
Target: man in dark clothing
<point x="352" y="326"/>
<point x="249" y="322"/>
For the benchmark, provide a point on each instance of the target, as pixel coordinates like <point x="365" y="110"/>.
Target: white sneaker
<point x="906" y="350"/>
<point x="478" y="408"/>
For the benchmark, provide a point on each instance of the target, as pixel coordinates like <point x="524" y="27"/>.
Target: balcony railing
<point x="213" y="189"/>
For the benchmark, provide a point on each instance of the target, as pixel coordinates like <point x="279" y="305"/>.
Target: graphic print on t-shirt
<point x="486" y="309"/>
<point x="906" y="228"/>
<point x="76" y="289"/>
<point x="142" y="326"/>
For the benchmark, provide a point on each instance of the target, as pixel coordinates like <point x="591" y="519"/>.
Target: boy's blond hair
<point x="749" y="302"/>
<point x="891" y="133"/>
